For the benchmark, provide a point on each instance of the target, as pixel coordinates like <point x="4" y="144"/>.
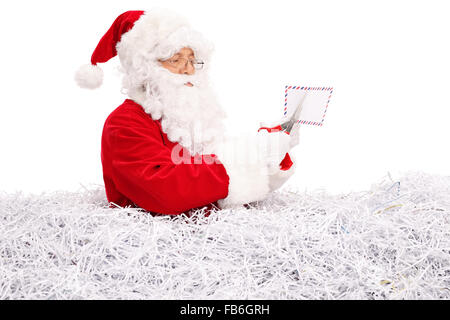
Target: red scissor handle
<point x="286" y="163"/>
<point x="274" y="129"/>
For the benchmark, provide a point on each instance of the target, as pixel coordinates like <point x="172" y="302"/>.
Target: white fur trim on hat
<point x="158" y="34"/>
<point x="89" y="76"/>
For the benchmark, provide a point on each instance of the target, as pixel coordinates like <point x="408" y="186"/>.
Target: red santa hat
<point x="155" y="34"/>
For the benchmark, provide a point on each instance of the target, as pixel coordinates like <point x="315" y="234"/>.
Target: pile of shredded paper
<point x="390" y="242"/>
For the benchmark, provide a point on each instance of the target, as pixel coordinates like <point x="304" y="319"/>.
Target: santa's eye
<point x="198" y="64"/>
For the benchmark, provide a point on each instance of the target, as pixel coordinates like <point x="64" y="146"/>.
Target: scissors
<point x="289" y="124"/>
<point x="288" y="128"/>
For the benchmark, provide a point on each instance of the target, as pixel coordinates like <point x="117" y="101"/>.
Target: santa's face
<point x="182" y="62"/>
<point x="178" y="92"/>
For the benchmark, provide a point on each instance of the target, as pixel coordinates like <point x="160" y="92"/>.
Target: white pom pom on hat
<point x="89" y="76"/>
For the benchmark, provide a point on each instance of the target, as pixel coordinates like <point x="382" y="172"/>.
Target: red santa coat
<point x="138" y="169"/>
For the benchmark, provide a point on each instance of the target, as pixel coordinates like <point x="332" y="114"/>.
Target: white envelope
<point x="314" y="106"/>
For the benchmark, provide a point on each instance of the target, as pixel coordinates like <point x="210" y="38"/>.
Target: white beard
<point x="190" y="116"/>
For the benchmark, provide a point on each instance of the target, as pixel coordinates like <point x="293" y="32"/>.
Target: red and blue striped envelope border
<point x="292" y="88"/>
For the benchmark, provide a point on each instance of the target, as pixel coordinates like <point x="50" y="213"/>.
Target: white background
<point x="387" y="60"/>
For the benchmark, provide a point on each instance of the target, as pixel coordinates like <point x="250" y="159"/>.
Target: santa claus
<point x="164" y="148"/>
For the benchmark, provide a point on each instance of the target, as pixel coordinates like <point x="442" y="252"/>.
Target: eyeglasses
<point x="182" y="62"/>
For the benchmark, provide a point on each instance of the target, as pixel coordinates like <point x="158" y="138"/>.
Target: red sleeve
<point x="144" y="172"/>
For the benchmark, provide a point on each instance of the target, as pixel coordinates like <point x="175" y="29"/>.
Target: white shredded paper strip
<point x="391" y="242"/>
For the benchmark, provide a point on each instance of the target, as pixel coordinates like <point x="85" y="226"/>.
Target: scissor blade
<point x="288" y="125"/>
<point x="296" y="114"/>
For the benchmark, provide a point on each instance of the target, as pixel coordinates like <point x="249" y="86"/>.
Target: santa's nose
<point x="188" y="69"/>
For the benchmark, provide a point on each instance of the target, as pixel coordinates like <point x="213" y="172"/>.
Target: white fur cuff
<point x="249" y="176"/>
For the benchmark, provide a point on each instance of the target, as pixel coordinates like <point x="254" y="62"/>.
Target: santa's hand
<point x="275" y="126"/>
<point x="279" y="177"/>
<point x="272" y="147"/>
<point x="252" y="163"/>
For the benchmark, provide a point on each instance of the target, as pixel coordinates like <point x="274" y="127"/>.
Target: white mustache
<point x="179" y="79"/>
